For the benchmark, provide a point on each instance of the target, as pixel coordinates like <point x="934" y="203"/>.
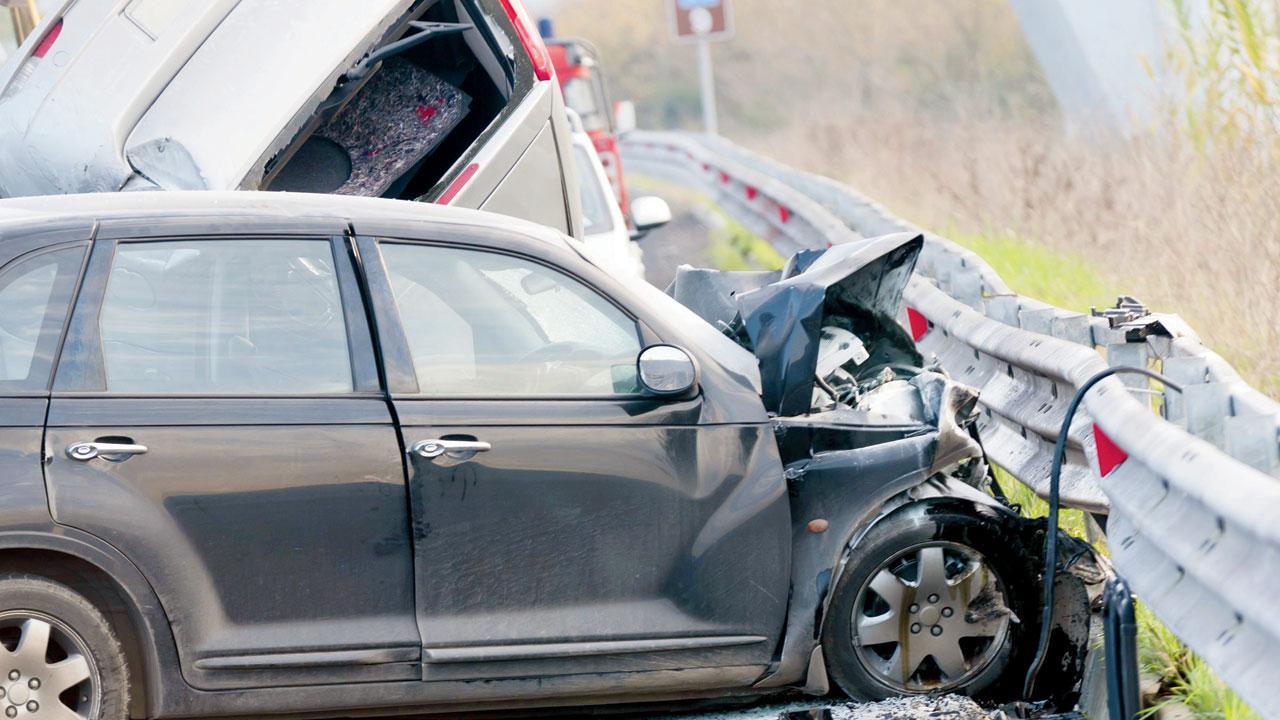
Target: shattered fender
<point x="846" y="489"/>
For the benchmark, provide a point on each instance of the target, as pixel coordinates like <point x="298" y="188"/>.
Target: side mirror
<point x="649" y="213"/>
<point x="624" y="116"/>
<point x="667" y="370"/>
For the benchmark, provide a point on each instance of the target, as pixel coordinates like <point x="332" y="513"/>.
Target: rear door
<point x="217" y="417"/>
<point x="37" y="278"/>
<point x="563" y="522"/>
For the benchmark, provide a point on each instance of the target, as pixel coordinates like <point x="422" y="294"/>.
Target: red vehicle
<point x="577" y="65"/>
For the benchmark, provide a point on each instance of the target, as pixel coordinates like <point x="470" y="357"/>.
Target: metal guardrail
<point x="1188" y="481"/>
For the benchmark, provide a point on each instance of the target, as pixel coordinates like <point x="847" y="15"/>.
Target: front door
<point x="564" y="523"/>
<point x="217" y="417"/>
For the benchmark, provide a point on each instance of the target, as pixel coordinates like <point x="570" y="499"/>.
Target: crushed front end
<point x="874" y="437"/>
<point x="839" y="371"/>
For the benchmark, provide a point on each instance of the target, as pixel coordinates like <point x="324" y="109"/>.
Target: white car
<point x="448" y="101"/>
<point x="611" y="240"/>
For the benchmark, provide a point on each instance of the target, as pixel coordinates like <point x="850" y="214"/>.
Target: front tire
<point x="60" y="658"/>
<point x="934" y="599"/>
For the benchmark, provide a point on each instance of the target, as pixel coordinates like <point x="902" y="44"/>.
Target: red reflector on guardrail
<point x="1109" y="454"/>
<point x="783" y="213"/>
<point x="919" y="324"/>
<point x="751" y="193"/>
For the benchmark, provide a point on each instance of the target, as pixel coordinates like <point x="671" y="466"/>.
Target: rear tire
<point x="935" y="598"/>
<point x="59" y="654"/>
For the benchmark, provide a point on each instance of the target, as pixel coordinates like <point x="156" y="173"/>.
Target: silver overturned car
<point x="271" y="454"/>
<point x="450" y="101"/>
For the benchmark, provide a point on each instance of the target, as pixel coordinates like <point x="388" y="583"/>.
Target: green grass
<point x="1201" y="691"/>
<point x="733" y="247"/>
<point x="1033" y="506"/>
<point x="1039" y="272"/>
<point x="1187" y="679"/>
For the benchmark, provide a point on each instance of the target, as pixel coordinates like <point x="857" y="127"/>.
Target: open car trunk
<point x="398" y="112"/>
<point x="399" y="121"/>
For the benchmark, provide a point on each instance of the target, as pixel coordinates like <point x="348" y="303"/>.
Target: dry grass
<point x="936" y="108"/>
<point x="933" y="56"/>
<point x="1189" y="234"/>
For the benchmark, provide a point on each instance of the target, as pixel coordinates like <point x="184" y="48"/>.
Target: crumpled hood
<point x="780" y="316"/>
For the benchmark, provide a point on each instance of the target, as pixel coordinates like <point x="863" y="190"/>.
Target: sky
<point x="538" y="7"/>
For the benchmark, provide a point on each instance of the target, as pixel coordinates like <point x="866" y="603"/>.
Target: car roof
<point x="169" y="213"/>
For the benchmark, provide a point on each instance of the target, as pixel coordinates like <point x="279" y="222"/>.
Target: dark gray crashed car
<point x="279" y="454"/>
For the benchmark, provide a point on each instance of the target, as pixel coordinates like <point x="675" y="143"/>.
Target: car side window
<point x="484" y="324"/>
<point x="226" y="317"/>
<point x="35" y="291"/>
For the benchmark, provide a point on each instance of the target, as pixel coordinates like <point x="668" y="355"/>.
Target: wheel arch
<point x="852" y="491"/>
<point x="116" y="587"/>
<point x="942" y="509"/>
<point x="938" y="494"/>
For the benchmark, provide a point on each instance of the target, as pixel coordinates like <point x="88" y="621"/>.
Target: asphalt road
<point x="682" y="242"/>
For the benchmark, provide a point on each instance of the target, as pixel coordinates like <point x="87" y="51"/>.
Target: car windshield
<point x="581" y="95"/>
<point x="595" y="203"/>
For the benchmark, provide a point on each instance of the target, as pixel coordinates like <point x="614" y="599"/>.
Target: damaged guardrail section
<point x="1188" y="481"/>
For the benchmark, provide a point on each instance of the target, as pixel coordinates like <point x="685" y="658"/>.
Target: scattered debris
<point x="927" y="707"/>
<point x="944" y="707"/>
<point x="1127" y="309"/>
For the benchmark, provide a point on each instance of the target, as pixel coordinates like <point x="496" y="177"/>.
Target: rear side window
<point x="226" y="317"/>
<point x="35" y="292"/>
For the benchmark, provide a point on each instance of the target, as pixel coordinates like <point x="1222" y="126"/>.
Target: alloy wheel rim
<point x="932" y="617"/>
<point x="46" y="670"/>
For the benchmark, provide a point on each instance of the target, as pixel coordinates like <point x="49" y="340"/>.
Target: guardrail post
<point x="1253" y="441"/>
<point x="1039" y="320"/>
<point x="966" y="286"/>
<point x="1004" y="308"/>
<point x="1074" y="328"/>
<point x="1135" y="354"/>
<point x="1208" y="405"/>
<point x="1185" y="371"/>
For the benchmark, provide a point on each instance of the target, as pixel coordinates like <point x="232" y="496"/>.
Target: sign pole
<point x="700" y="22"/>
<point x="707" y="78"/>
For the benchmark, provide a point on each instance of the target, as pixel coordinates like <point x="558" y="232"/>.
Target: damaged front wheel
<point x="929" y="602"/>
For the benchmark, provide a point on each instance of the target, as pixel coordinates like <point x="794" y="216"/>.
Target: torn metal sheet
<point x="855" y="287"/>
<point x="824" y="331"/>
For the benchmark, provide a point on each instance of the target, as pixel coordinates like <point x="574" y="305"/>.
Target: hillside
<point x="930" y="56"/>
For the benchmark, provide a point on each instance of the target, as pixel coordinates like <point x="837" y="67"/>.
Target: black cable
<point x="1051" y="535"/>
